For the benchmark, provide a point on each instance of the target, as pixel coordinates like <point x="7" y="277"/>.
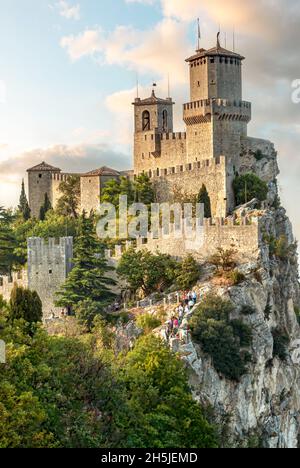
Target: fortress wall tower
<point x="216" y="117"/>
<point x="153" y="118"/>
<point x="92" y="184"/>
<point x="49" y="264"/>
<point x="39" y="184"/>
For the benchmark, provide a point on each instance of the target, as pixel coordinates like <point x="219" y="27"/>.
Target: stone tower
<point x="216" y="117"/>
<point x="153" y="117"/>
<point x="49" y="264"/>
<point x="40" y="183"/>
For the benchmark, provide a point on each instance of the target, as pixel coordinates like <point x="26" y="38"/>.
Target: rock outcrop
<point x="265" y="404"/>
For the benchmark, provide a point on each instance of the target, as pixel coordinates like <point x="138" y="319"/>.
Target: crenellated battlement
<point x="173" y="136"/>
<point x="62" y="177"/>
<point x="202" y="111"/>
<point x="241" y="234"/>
<point x="7" y="283"/>
<point x="201" y="167"/>
<point x="52" y="251"/>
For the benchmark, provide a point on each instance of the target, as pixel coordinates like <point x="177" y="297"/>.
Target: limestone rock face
<point x="266" y="402"/>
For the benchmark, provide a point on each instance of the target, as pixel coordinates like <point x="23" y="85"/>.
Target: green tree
<point x="45" y="208"/>
<point x="220" y="337"/>
<point x="249" y="186"/>
<point x="204" y="198"/>
<point x="143" y="189"/>
<point x="25" y="304"/>
<point x="188" y="273"/>
<point x="163" y="411"/>
<point x="68" y="203"/>
<point x="23" y="207"/>
<point x="8" y="243"/>
<point x="89" y="278"/>
<point x="145" y="271"/>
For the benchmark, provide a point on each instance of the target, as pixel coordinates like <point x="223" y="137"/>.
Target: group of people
<point x="177" y="325"/>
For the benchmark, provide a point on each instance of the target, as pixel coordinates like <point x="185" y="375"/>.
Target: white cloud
<point x="69" y="11"/>
<point x="87" y="43"/>
<point x="161" y="50"/>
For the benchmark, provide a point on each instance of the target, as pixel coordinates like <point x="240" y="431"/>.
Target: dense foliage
<point x="249" y="186"/>
<point x="220" y="337"/>
<point x="89" y="278"/>
<point x="76" y="392"/>
<point x="204" y="198"/>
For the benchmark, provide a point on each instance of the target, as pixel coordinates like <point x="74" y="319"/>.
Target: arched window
<point x="165" y="121"/>
<point x="146" y="121"/>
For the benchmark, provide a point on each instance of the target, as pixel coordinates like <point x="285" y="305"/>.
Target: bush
<point x="188" y="273"/>
<point x="259" y="155"/>
<point x="268" y="312"/>
<point x="243" y="331"/>
<point x="281" y="342"/>
<point x="236" y="277"/>
<point x="249" y="186"/>
<point x="247" y="310"/>
<point x="147" y="322"/>
<point x="221" y="338"/>
<point x="224" y="259"/>
<point x="25" y="304"/>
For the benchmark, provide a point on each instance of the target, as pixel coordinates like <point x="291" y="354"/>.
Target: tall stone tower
<point x="40" y="182"/>
<point x="49" y="264"/>
<point x="216" y="118"/>
<point x="153" y="117"/>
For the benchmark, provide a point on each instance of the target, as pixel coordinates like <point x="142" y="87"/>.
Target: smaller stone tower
<point x="153" y="117"/>
<point x="92" y="184"/>
<point x="39" y="184"/>
<point x="49" y="264"/>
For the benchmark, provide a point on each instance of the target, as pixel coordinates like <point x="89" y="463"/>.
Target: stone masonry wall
<point x="190" y="178"/>
<point x="49" y="264"/>
<point x="7" y="283"/>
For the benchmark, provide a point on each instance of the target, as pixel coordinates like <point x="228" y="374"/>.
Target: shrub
<point x="247" y="310"/>
<point x="224" y="259"/>
<point x="221" y="338"/>
<point x="243" y="331"/>
<point x="249" y="186"/>
<point x="147" y="322"/>
<point x="268" y="312"/>
<point x="259" y="155"/>
<point x="188" y="273"/>
<point x="236" y="277"/>
<point x="281" y="342"/>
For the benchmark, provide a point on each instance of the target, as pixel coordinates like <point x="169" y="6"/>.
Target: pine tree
<point x="68" y="204"/>
<point x="144" y="192"/>
<point x="8" y="243"/>
<point x="89" y="278"/>
<point x="188" y="274"/>
<point x="23" y="204"/>
<point x="204" y="198"/>
<point x="45" y="208"/>
<point x="25" y="304"/>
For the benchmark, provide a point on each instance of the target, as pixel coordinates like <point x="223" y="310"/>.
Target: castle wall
<point x="241" y="235"/>
<point x="7" y="283"/>
<point x="90" y="193"/>
<point x="171" y="150"/>
<point x="190" y="178"/>
<point x="49" y="264"/>
<point x="39" y="184"/>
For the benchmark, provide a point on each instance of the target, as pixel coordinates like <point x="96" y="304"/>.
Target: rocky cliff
<point x="265" y="405"/>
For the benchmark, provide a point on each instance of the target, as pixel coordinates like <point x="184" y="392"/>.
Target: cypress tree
<point x="8" y="243"/>
<point x="25" y="304"/>
<point x="23" y="204"/>
<point x="204" y="198"/>
<point x="45" y="208"/>
<point x="89" y="277"/>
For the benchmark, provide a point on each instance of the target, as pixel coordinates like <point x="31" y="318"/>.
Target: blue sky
<point x="68" y="70"/>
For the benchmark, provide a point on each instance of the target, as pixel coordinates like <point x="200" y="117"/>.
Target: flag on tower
<point x="199" y="33"/>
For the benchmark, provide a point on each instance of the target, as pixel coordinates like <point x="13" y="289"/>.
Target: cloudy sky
<point x="68" y="71"/>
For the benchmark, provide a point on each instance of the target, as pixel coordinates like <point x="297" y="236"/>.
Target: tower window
<point x="40" y="176"/>
<point x="165" y="121"/>
<point x="212" y="60"/>
<point x="231" y="61"/>
<point x="146" y="121"/>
